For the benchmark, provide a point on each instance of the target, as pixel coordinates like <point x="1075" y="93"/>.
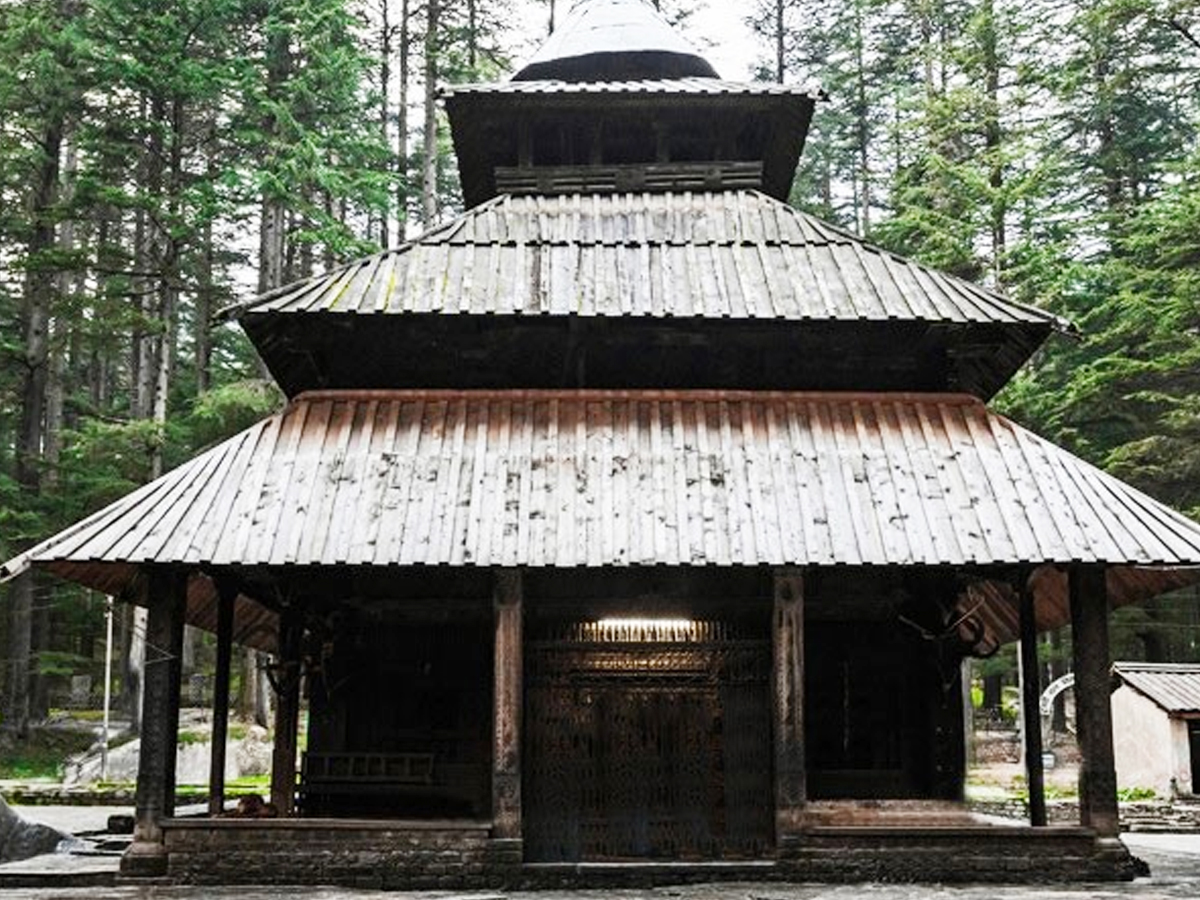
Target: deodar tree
<point x="140" y="143"/>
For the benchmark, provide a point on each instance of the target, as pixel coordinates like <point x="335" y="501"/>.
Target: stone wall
<point x="358" y="854"/>
<point x="999" y="855"/>
<point x="1182" y="815"/>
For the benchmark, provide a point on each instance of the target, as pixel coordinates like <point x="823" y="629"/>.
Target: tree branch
<point x="1178" y="26"/>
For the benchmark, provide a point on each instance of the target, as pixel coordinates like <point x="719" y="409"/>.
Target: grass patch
<point x="80" y="715"/>
<point x="1133" y="794"/>
<point x="238" y="787"/>
<point x="41" y="755"/>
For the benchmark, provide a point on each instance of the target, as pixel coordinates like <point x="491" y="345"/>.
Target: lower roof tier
<point x="627" y="479"/>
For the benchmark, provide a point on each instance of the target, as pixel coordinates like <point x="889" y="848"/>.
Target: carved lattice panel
<point x="647" y="750"/>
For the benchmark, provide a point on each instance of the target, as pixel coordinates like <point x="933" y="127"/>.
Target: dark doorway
<point x="400" y="718"/>
<point x="643" y="747"/>
<point x="879" y="721"/>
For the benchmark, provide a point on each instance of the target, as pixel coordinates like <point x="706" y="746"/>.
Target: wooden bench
<point x="333" y="782"/>
<point x="361" y="775"/>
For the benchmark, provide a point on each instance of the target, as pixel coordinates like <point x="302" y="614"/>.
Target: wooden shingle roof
<point x="735" y="255"/>
<point x="719" y="264"/>
<point x="590" y="479"/>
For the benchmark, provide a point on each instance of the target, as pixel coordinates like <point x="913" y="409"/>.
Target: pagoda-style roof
<point x="398" y="479"/>
<point x="729" y="289"/>
<point x="600" y="40"/>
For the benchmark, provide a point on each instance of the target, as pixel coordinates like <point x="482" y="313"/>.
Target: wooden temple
<point x="631" y="527"/>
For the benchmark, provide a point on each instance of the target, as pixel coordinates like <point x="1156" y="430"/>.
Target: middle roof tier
<point x="732" y="290"/>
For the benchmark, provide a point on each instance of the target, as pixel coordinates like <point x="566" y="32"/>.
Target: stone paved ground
<point x="1149" y="889"/>
<point x="1174" y="860"/>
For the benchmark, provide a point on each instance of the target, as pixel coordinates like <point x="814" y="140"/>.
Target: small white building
<point x="1156" y="725"/>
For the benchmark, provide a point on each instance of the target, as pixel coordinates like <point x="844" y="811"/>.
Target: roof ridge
<point x="663" y="85"/>
<point x="655" y="394"/>
<point x="1129" y="665"/>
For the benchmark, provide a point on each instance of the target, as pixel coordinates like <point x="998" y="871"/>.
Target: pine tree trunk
<point x="993" y="694"/>
<point x="254" y="697"/>
<point x="272" y="215"/>
<point x="863" y="123"/>
<point x="305" y="257"/>
<point x="247" y="685"/>
<point x="169" y="179"/>
<point x="141" y="361"/>
<point x="187" y="653"/>
<point x="41" y="636"/>
<point x="780" y="42"/>
<point x="272" y="229"/>
<point x="377" y="226"/>
<point x="35" y="325"/>
<point x="206" y="292"/>
<point x="992" y="136"/>
<point x="20" y="645"/>
<point x="472" y="37"/>
<point x="429" y="204"/>
<point x="292" y="223"/>
<point x="402" y="183"/>
<point x="330" y="208"/>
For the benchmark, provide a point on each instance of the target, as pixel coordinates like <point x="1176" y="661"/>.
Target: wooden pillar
<point x="1031" y="717"/>
<point x="220" y="732"/>
<point x="1093" y="710"/>
<point x="166" y="597"/>
<point x="507" y="700"/>
<point x="787" y="646"/>
<point x="287" y="712"/>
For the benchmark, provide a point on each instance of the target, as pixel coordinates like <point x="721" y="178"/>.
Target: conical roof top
<point x="615" y="40"/>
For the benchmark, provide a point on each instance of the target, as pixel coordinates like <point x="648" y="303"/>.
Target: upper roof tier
<point x="606" y="40"/>
<point x="718" y="290"/>
<point x="661" y="135"/>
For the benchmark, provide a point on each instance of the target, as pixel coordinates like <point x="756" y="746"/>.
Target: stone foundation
<point x="380" y="855"/>
<point x="954" y="855"/>
<point x="464" y="856"/>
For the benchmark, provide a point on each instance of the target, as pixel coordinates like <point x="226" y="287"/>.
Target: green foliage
<point x="104" y="460"/>
<point x="52" y="662"/>
<point x="41" y="755"/>
<point x="1052" y="792"/>
<point x="1134" y="794"/>
<point x="230" y="408"/>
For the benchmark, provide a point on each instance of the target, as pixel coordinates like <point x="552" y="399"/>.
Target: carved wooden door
<point x="647" y="751"/>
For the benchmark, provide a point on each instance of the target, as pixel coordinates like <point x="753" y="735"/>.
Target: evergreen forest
<point x="161" y="160"/>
